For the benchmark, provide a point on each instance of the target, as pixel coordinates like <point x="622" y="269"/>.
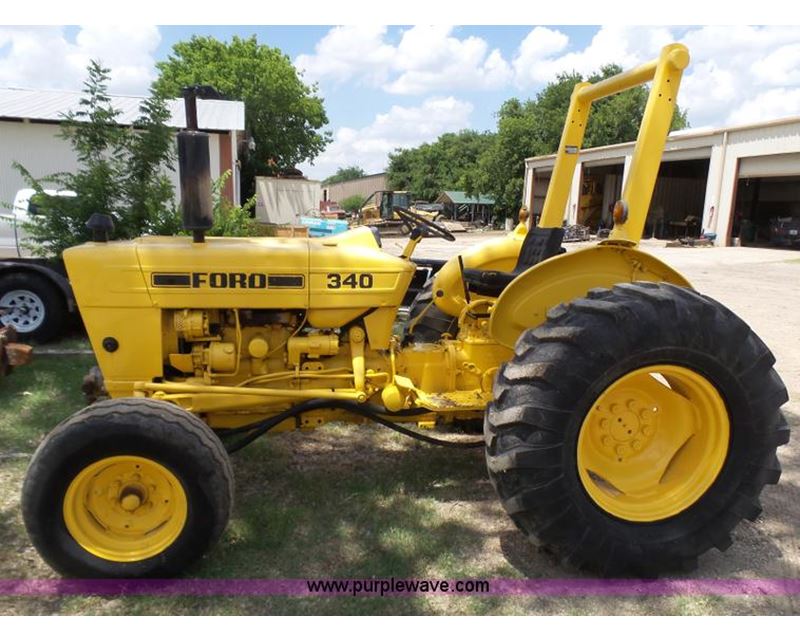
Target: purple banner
<point x="403" y="587"/>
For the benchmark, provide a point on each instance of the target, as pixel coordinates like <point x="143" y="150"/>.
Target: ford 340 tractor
<point x="630" y="422"/>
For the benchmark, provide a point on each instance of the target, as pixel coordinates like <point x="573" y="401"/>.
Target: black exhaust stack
<point x="195" y="167"/>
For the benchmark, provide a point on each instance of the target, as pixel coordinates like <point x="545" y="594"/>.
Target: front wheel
<point x="127" y="488"/>
<point x="634" y="429"/>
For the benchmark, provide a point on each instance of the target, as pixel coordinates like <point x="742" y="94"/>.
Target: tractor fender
<point x="524" y="303"/>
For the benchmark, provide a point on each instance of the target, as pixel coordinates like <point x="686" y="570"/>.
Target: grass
<point x="36" y="397"/>
<point x="343" y="501"/>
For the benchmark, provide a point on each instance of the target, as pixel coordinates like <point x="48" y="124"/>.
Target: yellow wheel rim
<point x="653" y="443"/>
<point x="125" y="508"/>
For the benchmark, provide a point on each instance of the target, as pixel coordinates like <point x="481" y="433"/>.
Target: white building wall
<point x="716" y="169"/>
<point x="37" y="147"/>
<point x="762" y="141"/>
<point x="724" y="148"/>
<point x="574" y="195"/>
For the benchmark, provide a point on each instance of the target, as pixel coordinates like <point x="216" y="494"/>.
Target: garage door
<point x="779" y="164"/>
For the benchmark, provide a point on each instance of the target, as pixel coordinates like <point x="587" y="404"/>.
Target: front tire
<point x="635" y="428"/>
<point x="127" y="488"/>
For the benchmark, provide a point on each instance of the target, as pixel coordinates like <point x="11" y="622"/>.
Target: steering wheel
<point x="417" y="220"/>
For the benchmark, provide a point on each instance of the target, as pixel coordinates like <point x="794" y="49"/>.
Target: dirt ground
<point x="386" y="505"/>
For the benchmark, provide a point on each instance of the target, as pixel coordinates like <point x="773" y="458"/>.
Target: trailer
<point x="36" y="299"/>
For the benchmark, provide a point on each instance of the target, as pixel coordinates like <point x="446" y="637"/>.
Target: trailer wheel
<point x="127" y="488"/>
<point x="34" y="307"/>
<point x="635" y="428"/>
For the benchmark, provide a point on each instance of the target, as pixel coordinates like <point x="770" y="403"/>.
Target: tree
<point x="283" y="115"/>
<point x="534" y="127"/>
<point x="352" y="203"/>
<point x="446" y="164"/>
<point x="121" y="172"/>
<point x="148" y="191"/>
<point x="343" y="174"/>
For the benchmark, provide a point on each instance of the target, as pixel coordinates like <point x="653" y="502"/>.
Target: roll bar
<point x="630" y="213"/>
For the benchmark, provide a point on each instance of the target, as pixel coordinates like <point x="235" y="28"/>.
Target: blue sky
<point x="388" y="87"/>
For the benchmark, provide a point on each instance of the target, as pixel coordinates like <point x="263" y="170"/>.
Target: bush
<point x="352" y="203"/>
<point x="230" y="219"/>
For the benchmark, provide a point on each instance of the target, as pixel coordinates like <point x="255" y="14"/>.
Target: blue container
<point x="322" y="227"/>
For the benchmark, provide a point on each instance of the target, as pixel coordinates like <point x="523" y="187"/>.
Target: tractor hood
<point x="344" y="272"/>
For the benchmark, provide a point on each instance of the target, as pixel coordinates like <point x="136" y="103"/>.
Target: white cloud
<point x="737" y="73"/>
<point x="768" y="105"/>
<point x="44" y="57"/>
<point x="541" y="55"/>
<point x="400" y="127"/>
<point x="741" y="74"/>
<point x="346" y="53"/>
<point x="426" y="59"/>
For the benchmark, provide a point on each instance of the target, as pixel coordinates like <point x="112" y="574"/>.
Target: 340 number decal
<point x="352" y="280"/>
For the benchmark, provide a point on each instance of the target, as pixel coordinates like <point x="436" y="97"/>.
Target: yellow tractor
<point x="382" y="210"/>
<point x="630" y="422"/>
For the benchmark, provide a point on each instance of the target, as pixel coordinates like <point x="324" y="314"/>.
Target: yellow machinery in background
<point x="630" y="422"/>
<point x="380" y="210"/>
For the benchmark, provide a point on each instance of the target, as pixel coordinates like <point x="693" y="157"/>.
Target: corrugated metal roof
<point x="43" y="104"/>
<point x="459" y="197"/>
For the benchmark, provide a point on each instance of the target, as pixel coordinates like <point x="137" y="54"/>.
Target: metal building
<point x="459" y="206"/>
<point x="731" y="182"/>
<point x="29" y="135"/>
<point x="363" y="187"/>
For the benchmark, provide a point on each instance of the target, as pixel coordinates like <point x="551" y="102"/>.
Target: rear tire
<point x="127" y="488"/>
<point x="545" y="407"/>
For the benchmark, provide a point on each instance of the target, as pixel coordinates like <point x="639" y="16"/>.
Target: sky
<point x="400" y="86"/>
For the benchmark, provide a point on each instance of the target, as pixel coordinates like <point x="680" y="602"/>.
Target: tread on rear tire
<point x="561" y="367"/>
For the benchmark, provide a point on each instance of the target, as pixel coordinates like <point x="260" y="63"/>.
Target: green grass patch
<point x="37" y="396"/>
<point x="345" y="501"/>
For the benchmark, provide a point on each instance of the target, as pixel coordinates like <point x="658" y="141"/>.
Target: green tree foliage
<point x="534" y="127"/>
<point x="147" y="190"/>
<point x="230" y="219"/>
<point x="447" y="164"/>
<point x="283" y="114"/>
<point x="121" y="172"/>
<point x="343" y="174"/>
<point x="352" y="203"/>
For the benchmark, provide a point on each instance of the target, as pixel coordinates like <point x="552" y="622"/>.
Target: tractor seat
<point x="540" y="244"/>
